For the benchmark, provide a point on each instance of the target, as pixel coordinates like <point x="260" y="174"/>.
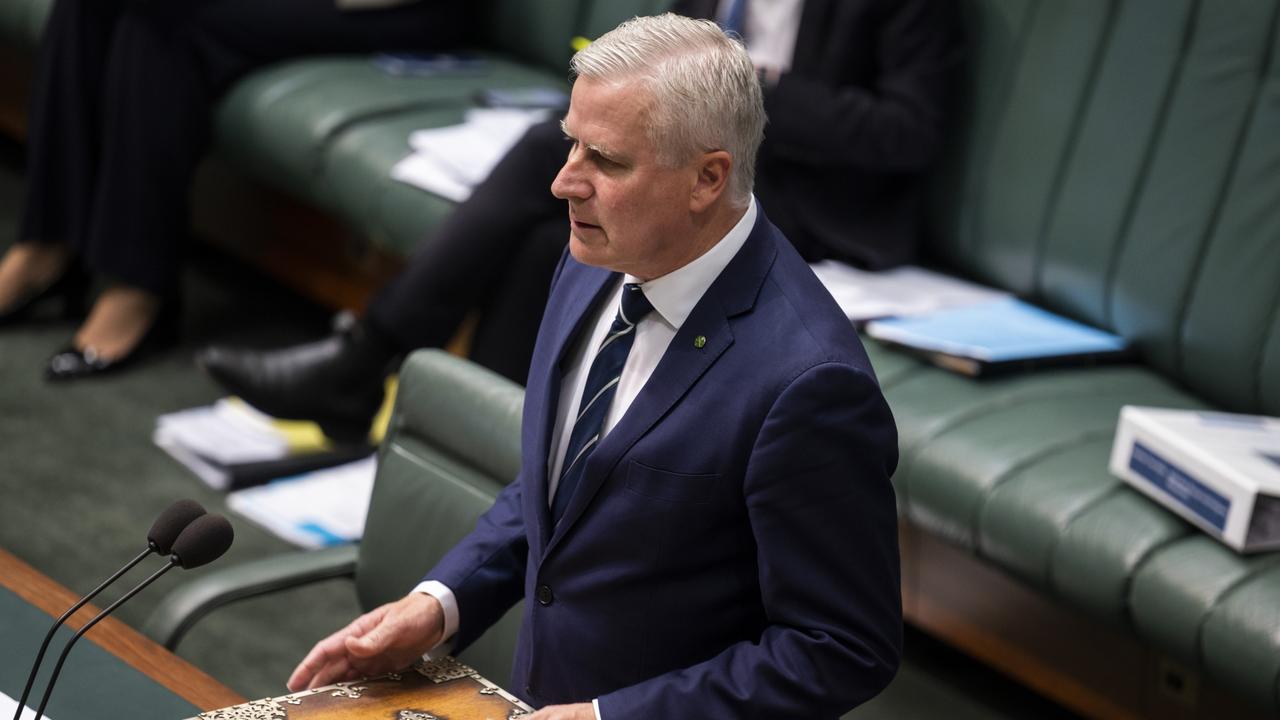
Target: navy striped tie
<point x="597" y="395"/>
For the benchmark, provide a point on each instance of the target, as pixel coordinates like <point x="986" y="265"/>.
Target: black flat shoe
<point x="73" y="364"/>
<point x="71" y="289"/>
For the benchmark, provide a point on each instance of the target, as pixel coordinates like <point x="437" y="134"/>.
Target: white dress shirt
<point x="673" y="297"/>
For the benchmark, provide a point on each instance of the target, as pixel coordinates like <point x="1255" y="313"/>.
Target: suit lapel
<point x="583" y="291"/>
<point x="681" y="366"/>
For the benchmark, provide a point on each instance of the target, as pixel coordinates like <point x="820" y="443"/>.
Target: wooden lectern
<point x="443" y="689"/>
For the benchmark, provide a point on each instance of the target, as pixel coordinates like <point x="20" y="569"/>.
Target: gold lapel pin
<point x="699" y="341"/>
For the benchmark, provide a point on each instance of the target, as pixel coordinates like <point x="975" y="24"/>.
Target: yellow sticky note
<point x="383" y="419"/>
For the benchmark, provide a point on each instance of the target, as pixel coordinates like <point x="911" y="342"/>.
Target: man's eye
<point x="606" y="162"/>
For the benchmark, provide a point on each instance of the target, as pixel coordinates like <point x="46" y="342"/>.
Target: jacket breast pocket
<point x="672" y="486"/>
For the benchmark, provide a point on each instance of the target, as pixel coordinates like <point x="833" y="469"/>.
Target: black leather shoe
<point x="71" y="288"/>
<point x="337" y="382"/>
<point x="70" y="363"/>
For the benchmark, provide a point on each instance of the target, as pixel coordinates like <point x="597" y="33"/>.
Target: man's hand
<point x="386" y="639"/>
<point x="579" y="711"/>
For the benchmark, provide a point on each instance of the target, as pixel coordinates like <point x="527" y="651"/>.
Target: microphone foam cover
<point x="172" y="521"/>
<point x="203" y="541"/>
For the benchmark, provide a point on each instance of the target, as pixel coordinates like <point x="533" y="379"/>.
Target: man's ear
<point x="712" y="179"/>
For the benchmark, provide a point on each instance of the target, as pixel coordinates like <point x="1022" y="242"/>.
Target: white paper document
<point x="226" y="432"/>
<point x="316" y="509"/>
<point x="450" y="161"/>
<point x="907" y="290"/>
<point x="423" y="171"/>
<point x="8" y="705"/>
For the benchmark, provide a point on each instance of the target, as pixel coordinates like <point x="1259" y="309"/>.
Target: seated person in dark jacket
<point x="856" y="93"/>
<point x="120" y="117"/>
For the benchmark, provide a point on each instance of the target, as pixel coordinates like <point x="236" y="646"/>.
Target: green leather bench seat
<point x="392" y="214"/>
<point x="1118" y="164"/>
<point x="1015" y="470"/>
<point x="329" y="130"/>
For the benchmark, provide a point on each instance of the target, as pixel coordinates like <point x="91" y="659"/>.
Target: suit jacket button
<point x="544" y="595"/>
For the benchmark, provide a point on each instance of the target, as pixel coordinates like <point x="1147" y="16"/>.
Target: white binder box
<point x="1220" y="471"/>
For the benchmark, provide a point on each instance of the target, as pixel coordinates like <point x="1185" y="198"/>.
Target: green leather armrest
<point x="188" y="603"/>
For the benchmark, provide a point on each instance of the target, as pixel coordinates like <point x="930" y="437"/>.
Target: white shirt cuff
<point x="449" y="604"/>
<point x="595" y="705"/>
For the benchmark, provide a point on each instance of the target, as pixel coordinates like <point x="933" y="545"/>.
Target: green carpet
<point x="80" y="482"/>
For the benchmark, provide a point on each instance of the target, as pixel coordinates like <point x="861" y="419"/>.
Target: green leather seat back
<point x="535" y="31"/>
<point x="283" y="122"/>
<point x="1117" y="163"/>
<point x="357" y="184"/>
<point x="601" y="16"/>
<point x="1229" y="332"/>
<point x="453" y="443"/>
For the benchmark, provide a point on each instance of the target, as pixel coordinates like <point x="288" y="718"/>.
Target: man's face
<point x="627" y="212"/>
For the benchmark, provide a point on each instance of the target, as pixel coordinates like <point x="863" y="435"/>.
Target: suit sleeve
<point x="897" y="122"/>
<point x="486" y="569"/>
<point x="823" y="515"/>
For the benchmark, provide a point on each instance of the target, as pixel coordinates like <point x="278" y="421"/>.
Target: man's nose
<point x="569" y="183"/>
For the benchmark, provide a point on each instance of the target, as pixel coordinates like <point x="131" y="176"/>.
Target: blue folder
<point x="979" y="338"/>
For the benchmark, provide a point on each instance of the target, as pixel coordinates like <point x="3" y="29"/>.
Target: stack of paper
<point x="229" y="444"/>
<point x="319" y="508"/>
<point x="450" y="161"/>
<point x="908" y="290"/>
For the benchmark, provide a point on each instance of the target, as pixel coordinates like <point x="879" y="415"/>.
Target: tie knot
<point x="634" y="304"/>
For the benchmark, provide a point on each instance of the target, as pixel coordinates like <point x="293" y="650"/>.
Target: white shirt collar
<point x="674" y="295"/>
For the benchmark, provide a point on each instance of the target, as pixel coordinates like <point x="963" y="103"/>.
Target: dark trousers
<point x="497" y="251"/>
<point x="122" y="103"/>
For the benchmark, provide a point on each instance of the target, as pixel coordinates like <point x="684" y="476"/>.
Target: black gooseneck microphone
<point x="200" y="543"/>
<point x="160" y="538"/>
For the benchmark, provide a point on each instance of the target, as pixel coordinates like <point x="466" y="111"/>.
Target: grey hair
<point x="705" y="92"/>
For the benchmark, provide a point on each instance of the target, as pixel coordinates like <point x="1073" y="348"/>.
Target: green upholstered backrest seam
<point x="1077" y="122"/>
<point x="1148" y="156"/>
<point x="1219" y="206"/>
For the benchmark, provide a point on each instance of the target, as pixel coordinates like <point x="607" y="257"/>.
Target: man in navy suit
<point x="703" y="525"/>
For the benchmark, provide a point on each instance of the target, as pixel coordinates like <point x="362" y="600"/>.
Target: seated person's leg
<point x="509" y="322"/>
<point x="62" y="131"/>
